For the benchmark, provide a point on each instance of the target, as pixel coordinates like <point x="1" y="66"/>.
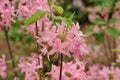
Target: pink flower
<point x="97" y="72"/>
<point x="3" y="67"/>
<point x="47" y="36"/>
<point x="62" y="40"/>
<point x="16" y="78"/>
<point x="92" y="73"/>
<point x="30" y="65"/>
<point x="61" y="28"/>
<point x="58" y="47"/>
<point x="27" y="7"/>
<point x="70" y="71"/>
<point x="6" y="11"/>
<point x="75" y="40"/>
<point x="118" y="59"/>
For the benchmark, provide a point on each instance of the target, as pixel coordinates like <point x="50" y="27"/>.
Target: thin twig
<point x="36" y="27"/>
<point x="10" y="50"/>
<point x="37" y="46"/>
<point x="61" y="64"/>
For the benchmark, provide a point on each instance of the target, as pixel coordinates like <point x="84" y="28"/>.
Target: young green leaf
<point x="107" y="3"/>
<point x="50" y="2"/>
<point x="99" y="22"/>
<point x="72" y="15"/>
<point x="36" y="16"/>
<point x="113" y="32"/>
<point x="66" y="20"/>
<point x="117" y="64"/>
<point x="89" y="29"/>
<point x="112" y="20"/>
<point x="99" y="37"/>
<point x="49" y="64"/>
<point x="58" y="9"/>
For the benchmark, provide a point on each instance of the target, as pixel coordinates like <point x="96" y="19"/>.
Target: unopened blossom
<point x="70" y="71"/>
<point x="30" y="65"/>
<point x="3" y="67"/>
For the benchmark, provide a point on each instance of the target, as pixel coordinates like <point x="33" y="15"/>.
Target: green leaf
<point x="99" y="37"/>
<point x="117" y="64"/>
<point x="116" y="50"/>
<point x="50" y="2"/>
<point x="99" y="22"/>
<point x="89" y="29"/>
<point x="66" y="20"/>
<point x="107" y="3"/>
<point x="113" y="32"/>
<point x="71" y="17"/>
<point x="58" y="9"/>
<point x="112" y="20"/>
<point x="36" y="16"/>
<point x="49" y="64"/>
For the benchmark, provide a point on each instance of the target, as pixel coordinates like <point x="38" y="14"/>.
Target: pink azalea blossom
<point x="30" y="65"/>
<point x="57" y="47"/>
<point x="50" y="36"/>
<point x="76" y="42"/>
<point x="16" y="78"/>
<point x="97" y="72"/>
<point x="27" y="7"/>
<point x="62" y="40"/>
<point x="6" y="11"/>
<point x="70" y="71"/>
<point x="3" y="67"/>
<point x="118" y="59"/>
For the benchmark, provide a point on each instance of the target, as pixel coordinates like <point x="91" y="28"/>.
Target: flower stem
<point x="37" y="45"/>
<point x="61" y="64"/>
<point x="10" y="51"/>
<point x="43" y="56"/>
<point x="36" y="26"/>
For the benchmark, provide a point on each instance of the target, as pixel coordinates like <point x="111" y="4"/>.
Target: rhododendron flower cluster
<point x="58" y="45"/>
<point x="103" y="73"/>
<point x="54" y="38"/>
<point x="30" y="65"/>
<point x="3" y="67"/>
<point x="6" y="13"/>
<point x="59" y="39"/>
<point x="28" y="7"/>
<point x="71" y="71"/>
